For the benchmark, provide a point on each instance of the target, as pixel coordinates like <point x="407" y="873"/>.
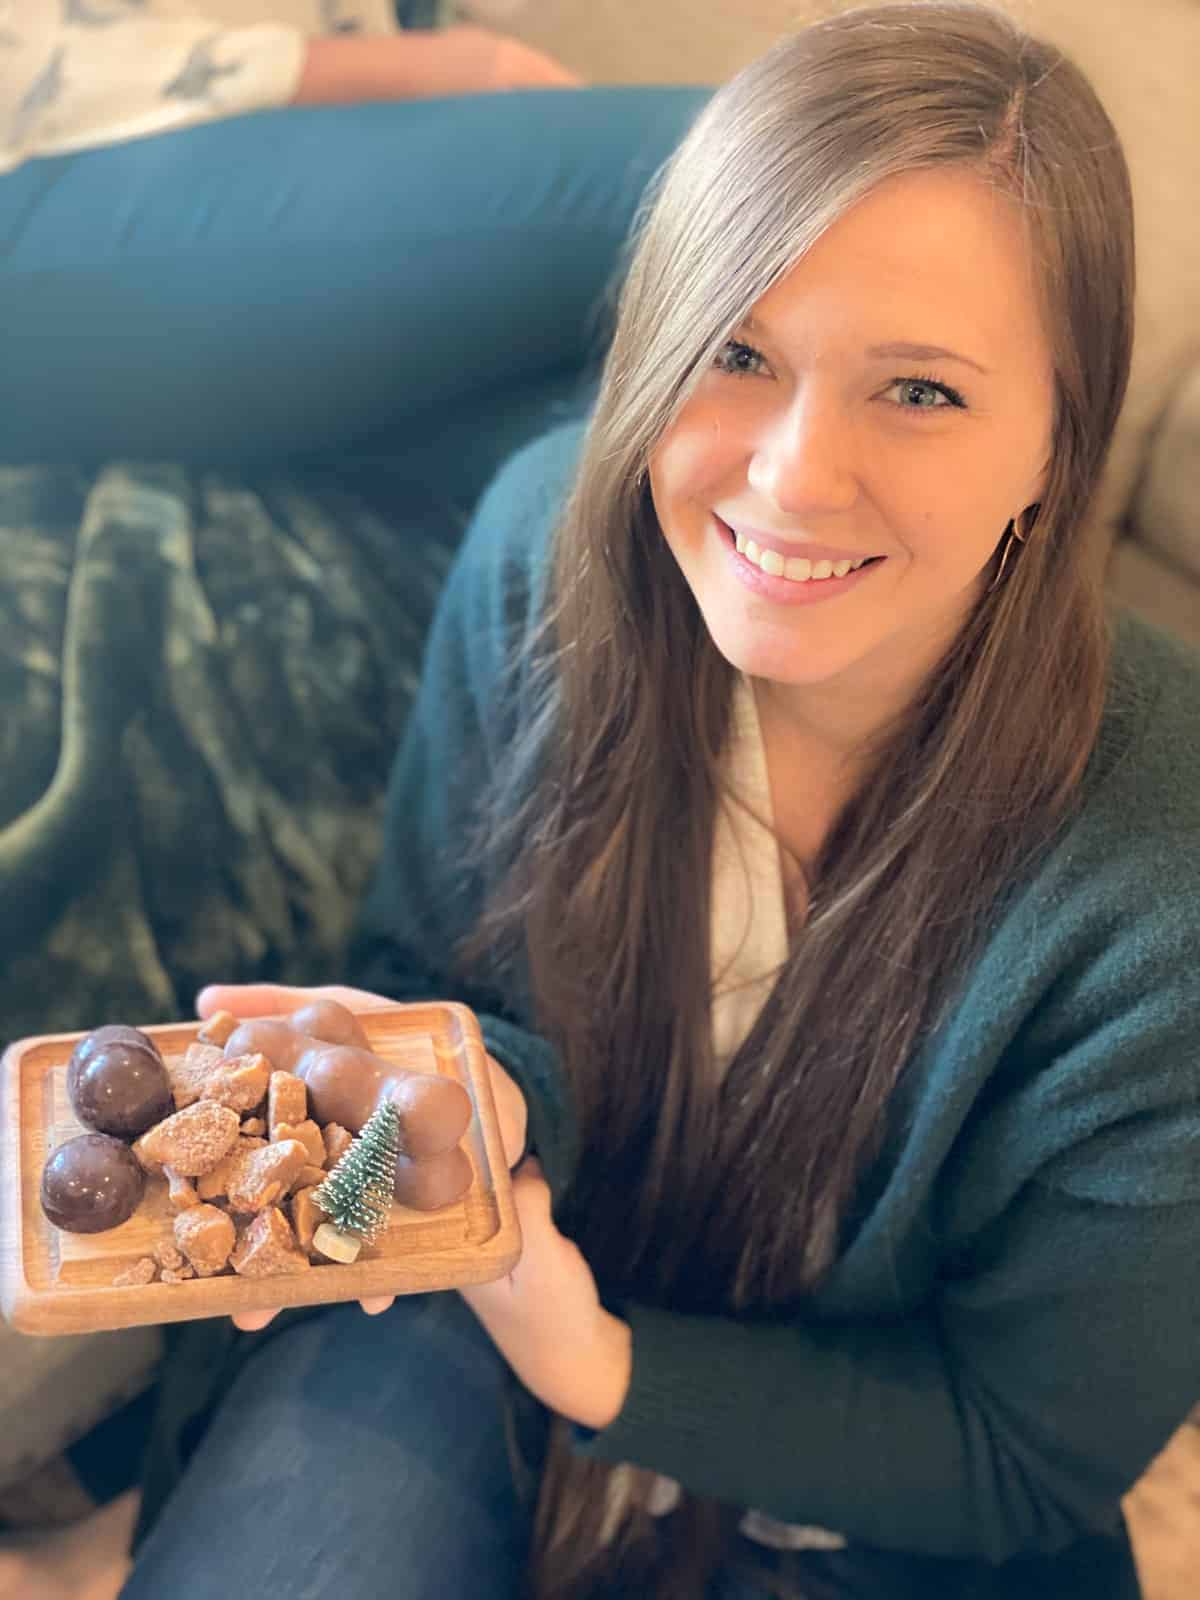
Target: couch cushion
<point x="1143" y="581"/>
<point x="1165" y="516"/>
<point x="52" y="1391"/>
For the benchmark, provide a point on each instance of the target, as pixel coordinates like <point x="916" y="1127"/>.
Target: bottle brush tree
<point x="357" y="1194"/>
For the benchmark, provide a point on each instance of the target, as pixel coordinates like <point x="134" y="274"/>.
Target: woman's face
<point x="889" y="401"/>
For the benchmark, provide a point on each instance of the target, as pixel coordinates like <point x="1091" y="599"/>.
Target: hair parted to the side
<point x="738" y="1190"/>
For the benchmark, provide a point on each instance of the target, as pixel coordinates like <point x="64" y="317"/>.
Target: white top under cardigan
<point x="78" y="73"/>
<point x="749" y="945"/>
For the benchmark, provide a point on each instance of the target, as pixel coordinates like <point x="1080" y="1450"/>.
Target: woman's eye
<point x="740" y="360"/>
<point x="924" y="394"/>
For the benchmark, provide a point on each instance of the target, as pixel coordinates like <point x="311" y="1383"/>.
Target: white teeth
<point x="798" y="569"/>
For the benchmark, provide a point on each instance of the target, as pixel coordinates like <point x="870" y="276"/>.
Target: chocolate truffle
<point x="91" y="1183"/>
<point x="118" y="1083"/>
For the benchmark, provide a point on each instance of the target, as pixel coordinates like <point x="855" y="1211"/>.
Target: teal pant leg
<point x="306" y="281"/>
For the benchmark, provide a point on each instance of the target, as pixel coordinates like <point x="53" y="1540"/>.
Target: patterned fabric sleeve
<point x="76" y="73"/>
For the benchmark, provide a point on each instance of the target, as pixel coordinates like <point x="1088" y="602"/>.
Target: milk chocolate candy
<point x="346" y="1083"/>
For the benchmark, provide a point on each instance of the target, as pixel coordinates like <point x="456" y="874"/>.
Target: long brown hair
<point x="741" y="1187"/>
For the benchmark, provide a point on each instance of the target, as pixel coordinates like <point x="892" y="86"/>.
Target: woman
<point x="822" y="866"/>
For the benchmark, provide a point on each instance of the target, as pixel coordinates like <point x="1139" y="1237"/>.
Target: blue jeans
<point x="366" y="1458"/>
<point x="354" y="1458"/>
<point x="384" y="277"/>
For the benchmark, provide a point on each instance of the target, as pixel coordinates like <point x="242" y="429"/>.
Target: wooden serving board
<point x="53" y="1282"/>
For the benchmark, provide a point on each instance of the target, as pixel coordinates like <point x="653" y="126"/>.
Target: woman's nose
<point x="802" y="460"/>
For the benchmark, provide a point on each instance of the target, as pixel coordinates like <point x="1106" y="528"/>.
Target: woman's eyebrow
<point x="897" y="349"/>
<point x="923" y="352"/>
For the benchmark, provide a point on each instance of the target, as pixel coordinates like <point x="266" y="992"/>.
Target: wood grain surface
<point x="53" y="1282"/>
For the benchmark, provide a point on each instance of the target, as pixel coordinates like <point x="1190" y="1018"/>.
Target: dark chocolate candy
<point x="91" y="1183"/>
<point x="118" y="1083"/>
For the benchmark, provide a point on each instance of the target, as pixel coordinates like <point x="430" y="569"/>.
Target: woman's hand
<point x="1162" y="1515"/>
<point x="346" y="69"/>
<point x="265" y="1000"/>
<point x="546" y="1319"/>
<point x="483" y="60"/>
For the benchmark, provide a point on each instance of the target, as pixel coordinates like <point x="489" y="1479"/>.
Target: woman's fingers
<point x="519" y="67"/>
<point x="532" y="1198"/>
<point x="279" y="999"/>
<point x="253" y="1321"/>
<point x="380" y="1302"/>
<point x="511" y="1112"/>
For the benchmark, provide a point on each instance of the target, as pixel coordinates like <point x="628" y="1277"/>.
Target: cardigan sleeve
<point x="96" y="71"/>
<point x="1007" y="1407"/>
<point x="429" y="889"/>
<point x="1007" y="1419"/>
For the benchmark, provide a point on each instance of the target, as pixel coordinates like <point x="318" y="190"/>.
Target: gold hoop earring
<point x="1012" y="532"/>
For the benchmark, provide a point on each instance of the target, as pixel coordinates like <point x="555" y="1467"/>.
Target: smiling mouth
<point x="796" y="569"/>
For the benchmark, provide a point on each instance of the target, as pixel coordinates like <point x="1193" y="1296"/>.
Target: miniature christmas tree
<point x="357" y="1194"/>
